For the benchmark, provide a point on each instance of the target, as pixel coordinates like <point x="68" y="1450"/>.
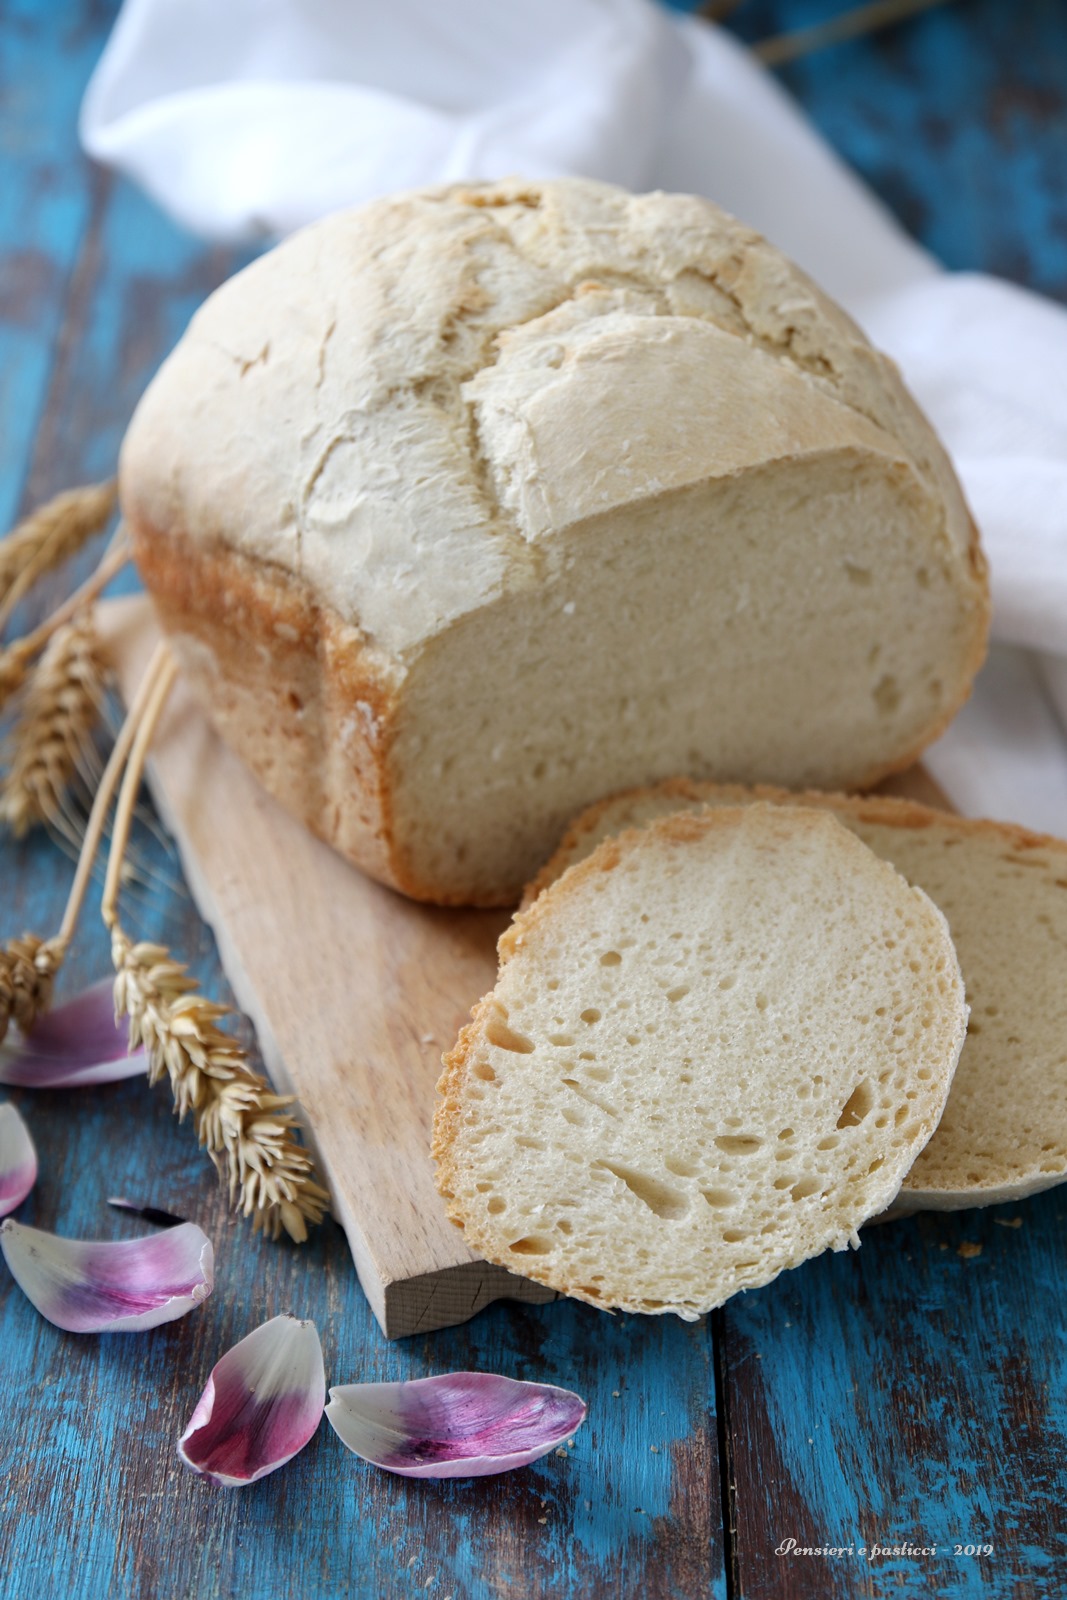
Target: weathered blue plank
<point x="46" y="196"/>
<point x="915" y="1392"/>
<point x="958" y="118"/>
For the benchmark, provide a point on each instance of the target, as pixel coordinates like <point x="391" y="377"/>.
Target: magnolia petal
<point x="75" y="1045"/>
<point x="86" y="1286"/>
<point x="458" y="1425"/>
<point x="18" y="1160"/>
<point x="263" y="1403"/>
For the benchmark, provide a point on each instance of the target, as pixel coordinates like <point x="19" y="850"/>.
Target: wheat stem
<point x="162" y="671"/>
<point x="108" y="784"/>
<point x="854" y="23"/>
<point x="49" y="536"/>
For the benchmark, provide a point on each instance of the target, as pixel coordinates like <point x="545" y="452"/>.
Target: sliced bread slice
<point x="714" y="1049"/>
<point x="1004" y="891"/>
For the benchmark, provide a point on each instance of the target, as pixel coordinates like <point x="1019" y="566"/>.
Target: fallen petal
<point x="458" y="1425"/>
<point x="86" y="1286"/>
<point x="18" y="1160"/>
<point x="75" y="1045"/>
<point x="263" y="1403"/>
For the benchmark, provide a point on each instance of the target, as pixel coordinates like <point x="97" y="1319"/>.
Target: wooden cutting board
<point x="354" y="993"/>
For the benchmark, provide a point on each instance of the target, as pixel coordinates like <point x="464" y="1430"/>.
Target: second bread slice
<point x="1004" y="892"/>
<point x="714" y="1050"/>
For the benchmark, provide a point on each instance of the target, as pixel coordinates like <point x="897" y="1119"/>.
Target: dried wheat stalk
<point x="238" y="1118"/>
<point x="28" y="967"/>
<point x="52" y="738"/>
<point x="48" y="536"/>
<point x="13" y="664"/>
<point x="854" y="23"/>
<point x="15" y="660"/>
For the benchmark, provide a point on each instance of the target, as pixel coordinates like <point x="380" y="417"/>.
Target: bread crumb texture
<point x="1003" y="891"/>
<point x="714" y="1049"/>
<point x="601" y="488"/>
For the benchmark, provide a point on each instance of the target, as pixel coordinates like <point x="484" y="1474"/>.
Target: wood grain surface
<point x="915" y="1392"/>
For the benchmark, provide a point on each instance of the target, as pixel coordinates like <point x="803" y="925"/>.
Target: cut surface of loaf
<point x="714" y="1049"/>
<point x="1004" y="892"/>
<point x="474" y="505"/>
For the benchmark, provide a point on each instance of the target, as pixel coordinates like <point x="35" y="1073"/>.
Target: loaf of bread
<point x="472" y="506"/>
<point x="1004" y="893"/>
<point x="714" y="1049"/>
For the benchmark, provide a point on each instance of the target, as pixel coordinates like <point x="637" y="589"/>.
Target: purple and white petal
<point x="87" y="1286"/>
<point x="73" y="1046"/>
<point x="263" y="1403"/>
<point x="458" y="1425"/>
<point x="18" y="1160"/>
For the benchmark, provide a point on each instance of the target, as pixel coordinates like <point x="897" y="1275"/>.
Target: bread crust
<point x="290" y="686"/>
<point x="331" y="461"/>
<point x="892" y="810"/>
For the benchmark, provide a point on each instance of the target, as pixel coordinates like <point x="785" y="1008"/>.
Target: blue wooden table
<point x="915" y="1392"/>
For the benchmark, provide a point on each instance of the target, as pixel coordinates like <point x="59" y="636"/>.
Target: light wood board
<point x="354" y="992"/>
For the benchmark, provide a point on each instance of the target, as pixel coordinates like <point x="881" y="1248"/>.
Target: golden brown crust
<point x="891" y="810"/>
<point x="296" y="691"/>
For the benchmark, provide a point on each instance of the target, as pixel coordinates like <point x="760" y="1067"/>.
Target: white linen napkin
<point x="246" y="117"/>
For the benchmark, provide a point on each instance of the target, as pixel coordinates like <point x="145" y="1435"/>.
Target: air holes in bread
<point x="806" y="1187"/>
<point x="532" y="1245"/>
<point x="738" y="1144"/>
<point x="498" y="1032"/>
<point x="856" y="1107"/>
<point x="590" y="1099"/>
<point x="668" y="1203"/>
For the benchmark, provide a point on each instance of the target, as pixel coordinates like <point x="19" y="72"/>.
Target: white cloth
<point x="246" y="117"/>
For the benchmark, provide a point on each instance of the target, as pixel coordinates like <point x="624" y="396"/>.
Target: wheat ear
<point x="53" y="735"/>
<point x="244" y="1126"/>
<point x="28" y="965"/>
<point x="15" y="660"/>
<point x="49" y="536"/>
